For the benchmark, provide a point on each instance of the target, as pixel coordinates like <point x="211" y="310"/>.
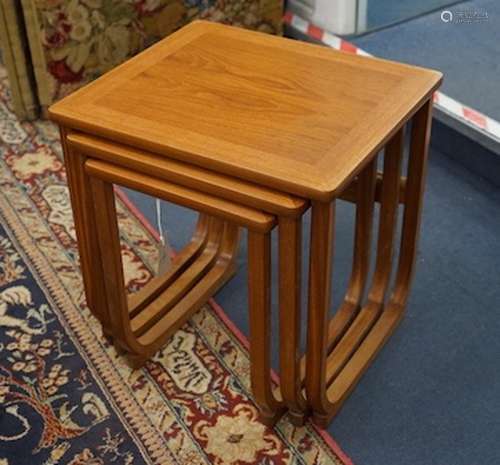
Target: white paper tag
<point x="164" y="251"/>
<point x="164" y="260"/>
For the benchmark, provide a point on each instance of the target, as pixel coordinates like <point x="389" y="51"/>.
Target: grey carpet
<point x="467" y="54"/>
<point x="433" y="394"/>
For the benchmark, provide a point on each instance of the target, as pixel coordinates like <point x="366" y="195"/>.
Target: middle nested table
<point x="251" y="130"/>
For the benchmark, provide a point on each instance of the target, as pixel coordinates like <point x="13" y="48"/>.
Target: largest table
<point x="301" y="121"/>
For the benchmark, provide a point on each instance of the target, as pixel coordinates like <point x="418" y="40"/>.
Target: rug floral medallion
<point x="66" y="397"/>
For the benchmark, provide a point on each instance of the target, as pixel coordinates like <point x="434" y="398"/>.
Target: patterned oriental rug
<point x="65" y="395"/>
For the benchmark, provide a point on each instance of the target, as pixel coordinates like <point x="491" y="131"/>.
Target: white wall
<point x="337" y="16"/>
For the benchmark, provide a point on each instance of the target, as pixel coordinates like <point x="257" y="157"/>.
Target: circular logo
<point x="446" y="16"/>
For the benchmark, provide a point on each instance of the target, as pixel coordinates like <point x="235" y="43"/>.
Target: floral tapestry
<point x="75" y="41"/>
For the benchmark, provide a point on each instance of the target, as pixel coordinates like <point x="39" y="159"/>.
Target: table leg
<point x="144" y="326"/>
<point x="340" y="354"/>
<point x="86" y="233"/>
<point x="320" y="270"/>
<point x="290" y="273"/>
<point x="111" y="263"/>
<point x="393" y="311"/>
<point x="330" y="378"/>
<point x="259" y="303"/>
<point x="183" y="259"/>
<point x="365" y="201"/>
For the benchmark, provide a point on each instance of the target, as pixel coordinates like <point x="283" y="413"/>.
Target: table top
<point x="286" y="114"/>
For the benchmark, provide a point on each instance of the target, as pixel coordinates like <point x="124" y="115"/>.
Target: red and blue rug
<point x="66" y="397"/>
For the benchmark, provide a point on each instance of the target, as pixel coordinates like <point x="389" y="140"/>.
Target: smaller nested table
<point x="250" y="130"/>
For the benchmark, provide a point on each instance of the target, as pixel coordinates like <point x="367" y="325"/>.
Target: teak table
<point x="250" y="130"/>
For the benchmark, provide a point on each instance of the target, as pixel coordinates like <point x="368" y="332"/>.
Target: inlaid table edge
<point x="309" y="186"/>
<point x="108" y="150"/>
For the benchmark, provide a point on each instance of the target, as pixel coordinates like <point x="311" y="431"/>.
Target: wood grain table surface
<point x="294" y="116"/>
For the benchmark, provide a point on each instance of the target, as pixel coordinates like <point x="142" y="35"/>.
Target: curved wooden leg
<point x="340" y="322"/>
<point x="340" y="354"/>
<point x="224" y="246"/>
<point x="320" y="268"/>
<point x="393" y="311"/>
<point x="290" y="274"/>
<point x="365" y="200"/>
<point x="207" y="263"/>
<point x="86" y="233"/>
<point x="110" y="257"/>
<point x="143" y="319"/>
<point x="181" y="261"/>
<point x="390" y="197"/>
<point x="375" y="322"/>
<point x="259" y="303"/>
<point x="415" y="186"/>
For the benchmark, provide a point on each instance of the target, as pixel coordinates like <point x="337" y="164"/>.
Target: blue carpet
<point x="381" y="13"/>
<point x="467" y="54"/>
<point x="432" y="396"/>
